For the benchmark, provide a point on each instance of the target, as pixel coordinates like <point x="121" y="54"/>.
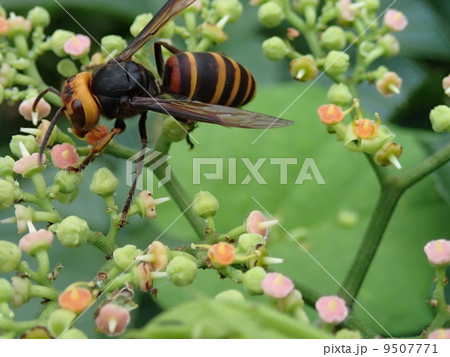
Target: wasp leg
<point x="159" y="58"/>
<point x="44" y="92"/>
<point x="119" y="127"/>
<point x="49" y="132"/>
<point x="139" y="165"/>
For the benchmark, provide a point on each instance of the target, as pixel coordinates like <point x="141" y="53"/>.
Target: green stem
<point x="43" y="292"/>
<point x="43" y="264"/>
<point x="439" y="295"/>
<point x="39" y="185"/>
<point x="98" y="240"/>
<point x="42" y="216"/>
<point x="173" y="186"/>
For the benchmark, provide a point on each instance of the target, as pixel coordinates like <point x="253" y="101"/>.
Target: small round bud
<point x="231" y="295"/>
<point x="345" y="10"/>
<point x="38" y="16"/>
<point x="388" y="155"/>
<point x="440" y="333"/>
<point x="57" y="41"/>
<point x="438" y="252"/>
<point x="347" y="218"/>
<point x="73" y="334"/>
<point x="64" y="156"/>
<point x="36" y="241"/>
<point x="348" y="334"/>
<point x="66" y="68"/>
<point x="333" y="38"/>
<point x="113" y="45"/>
<point x="205" y="204"/>
<point x="395" y="20"/>
<point x="23" y="215"/>
<point x="139" y="23"/>
<point x="275" y="48"/>
<point x="252" y="280"/>
<point x="213" y="32"/>
<point x="42" y="109"/>
<point x="10" y="256"/>
<point x="6" y="194"/>
<point x="270" y="14"/>
<point x="390" y="45"/>
<point x="339" y="94"/>
<point x="112" y="319"/>
<point x="68" y="181"/>
<point x="7" y="75"/>
<point x="125" y="255"/>
<point x="337" y="62"/>
<point x="160" y="256"/>
<point x="331" y="309"/>
<point x="6" y="292"/>
<point x="72" y="231"/>
<point x="18" y="25"/>
<point x="28" y="141"/>
<point x="181" y="271"/>
<point x="59" y="320"/>
<point x="231" y="8"/>
<point x="248" y="242"/>
<point x="174" y="130"/>
<point x="21" y="290"/>
<point x="104" y="183"/>
<point x="77" y="46"/>
<point x="371" y="5"/>
<point x="303" y="68"/>
<point x="6" y="166"/>
<point x="440" y="118"/>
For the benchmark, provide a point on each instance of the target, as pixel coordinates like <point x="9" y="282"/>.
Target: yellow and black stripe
<point x="209" y="78"/>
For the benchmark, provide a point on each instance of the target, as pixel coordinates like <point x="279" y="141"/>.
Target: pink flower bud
<point x="331" y="309"/>
<point x="64" y="156"/>
<point x="345" y="10"/>
<point x="37" y="240"/>
<point x="112" y="319"/>
<point x="330" y="114"/>
<point x="221" y="254"/>
<point x="395" y="20"/>
<point x="257" y="223"/>
<point x="438" y="252"/>
<point x="42" y="110"/>
<point x="26" y="164"/>
<point x="147" y="204"/>
<point x="277" y="285"/>
<point x="77" y="45"/>
<point x="440" y="333"/>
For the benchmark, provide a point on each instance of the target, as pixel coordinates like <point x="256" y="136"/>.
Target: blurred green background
<point x="399" y="281"/>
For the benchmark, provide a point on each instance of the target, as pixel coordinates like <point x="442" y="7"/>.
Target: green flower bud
<point x="337" y="62"/>
<point x="125" y="255"/>
<point x="213" y="32"/>
<point x="73" y="333"/>
<point x="440" y="118"/>
<point x="38" y="16"/>
<point x="348" y="334"/>
<point x="371" y="5"/>
<point x="29" y="141"/>
<point x="7" y="75"/>
<point x="339" y="94"/>
<point x="292" y="302"/>
<point x="247" y="243"/>
<point x="67" y="198"/>
<point x="347" y="218"/>
<point x="390" y="45"/>
<point x="66" y="68"/>
<point x="139" y="23"/>
<point x="6" y="291"/>
<point x="6" y="194"/>
<point x="232" y="8"/>
<point x="205" y="204"/>
<point x="68" y="181"/>
<point x="252" y="280"/>
<point x="57" y="41"/>
<point x="299" y="5"/>
<point x="174" y="130"/>
<point x="59" y="320"/>
<point x="18" y="25"/>
<point x="10" y="256"/>
<point x="167" y="31"/>
<point x="21" y="290"/>
<point x="275" y="48"/>
<point x="379" y="72"/>
<point x="181" y="271"/>
<point x="303" y="68"/>
<point x="3" y="12"/>
<point x="6" y="166"/>
<point x="104" y="183"/>
<point x="333" y="38"/>
<point x="270" y="14"/>
<point x="113" y="45"/>
<point x="72" y="232"/>
<point x="232" y="295"/>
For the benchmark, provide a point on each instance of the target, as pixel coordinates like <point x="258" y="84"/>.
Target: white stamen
<point x="23" y="149"/>
<point x="267" y="224"/>
<point x="272" y="260"/>
<point x="223" y="21"/>
<point x="112" y="324"/>
<point x="447" y="91"/>
<point x="394" y="161"/>
<point x="31" y="227"/>
<point x="32" y="131"/>
<point x="161" y="200"/>
<point x="159" y="274"/>
<point x="34" y="118"/>
<point x="145" y="258"/>
<point x="8" y="220"/>
<point x="393" y="88"/>
<point x="300" y="73"/>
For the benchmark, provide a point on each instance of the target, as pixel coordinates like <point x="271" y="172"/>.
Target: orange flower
<point x="75" y="298"/>
<point x="365" y="128"/>
<point x="221" y="253"/>
<point x="330" y="114"/>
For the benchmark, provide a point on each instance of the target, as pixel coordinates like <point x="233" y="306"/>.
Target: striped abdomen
<point x="208" y="77"/>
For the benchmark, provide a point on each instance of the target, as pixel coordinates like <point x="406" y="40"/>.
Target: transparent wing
<point x="186" y="109"/>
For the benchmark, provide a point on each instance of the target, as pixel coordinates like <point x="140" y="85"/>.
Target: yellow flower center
<point x="65" y="154"/>
<point x="278" y="280"/>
